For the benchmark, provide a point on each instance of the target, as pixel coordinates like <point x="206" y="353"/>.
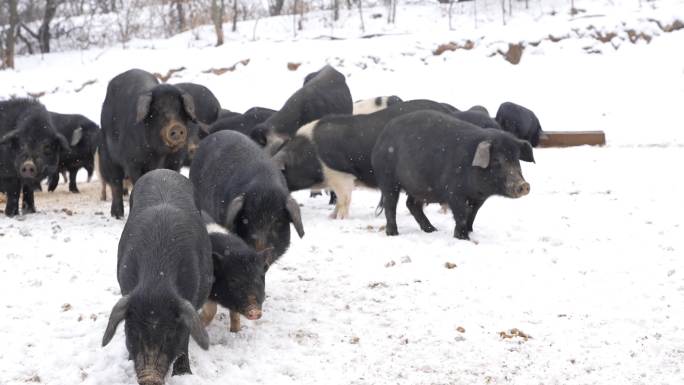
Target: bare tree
<point x="392" y="11"/>
<point x="336" y="10"/>
<point x="451" y="6"/>
<point x="180" y="13"/>
<point x="276" y="7"/>
<point x="235" y="14"/>
<point x="10" y="35"/>
<point x="44" y="30"/>
<point x="217" y="8"/>
<point x="363" y="27"/>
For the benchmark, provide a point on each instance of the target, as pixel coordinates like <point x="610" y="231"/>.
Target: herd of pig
<point x="191" y="244"/>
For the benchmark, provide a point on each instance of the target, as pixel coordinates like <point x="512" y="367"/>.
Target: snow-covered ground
<point x="590" y="264"/>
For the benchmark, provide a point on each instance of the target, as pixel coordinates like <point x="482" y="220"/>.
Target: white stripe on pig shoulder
<point x="215" y="228"/>
<point x="368" y="106"/>
<point x="307" y="130"/>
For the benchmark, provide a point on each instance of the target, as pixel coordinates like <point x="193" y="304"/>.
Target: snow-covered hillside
<point x="590" y="265"/>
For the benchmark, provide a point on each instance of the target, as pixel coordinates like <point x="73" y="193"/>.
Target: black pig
<point x="519" y="121"/>
<point x="436" y="158"/>
<point x="239" y="277"/>
<point x="144" y="127"/>
<point x="243" y="123"/>
<point x="165" y="274"/>
<point x="29" y="151"/>
<point x="82" y="136"/>
<point x="324" y="92"/>
<point x="238" y="185"/>
<point x="478" y="116"/>
<point x="335" y="151"/>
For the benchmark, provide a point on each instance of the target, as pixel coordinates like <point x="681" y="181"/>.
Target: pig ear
<point x="143" y="107"/>
<point x="76" y="136"/>
<point x="189" y="106"/>
<point x="526" y="151"/>
<point x="279" y="160"/>
<point x="191" y="319"/>
<point x="295" y="215"/>
<point x="204" y="127"/>
<point x="482" y="154"/>
<point x="9" y="136"/>
<point x="117" y="315"/>
<point x="63" y="142"/>
<point x="258" y="135"/>
<point x="232" y="212"/>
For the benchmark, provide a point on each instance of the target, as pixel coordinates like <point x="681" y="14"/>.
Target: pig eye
<point x="47" y="149"/>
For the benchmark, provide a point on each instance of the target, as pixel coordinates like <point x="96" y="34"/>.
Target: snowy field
<point x="590" y="265"/>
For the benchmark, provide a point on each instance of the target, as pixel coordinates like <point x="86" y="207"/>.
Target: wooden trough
<point x="572" y="138"/>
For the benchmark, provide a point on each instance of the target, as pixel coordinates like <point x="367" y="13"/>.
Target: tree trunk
<point x="451" y="6"/>
<point x="10" y="35"/>
<point x="277" y="7"/>
<point x="26" y="41"/>
<point x="336" y="10"/>
<point x="44" y="30"/>
<point x="181" y="15"/>
<point x="363" y="26"/>
<point x="217" y="19"/>
<point x="235" y="14"/>
<point x="392" y="14"/>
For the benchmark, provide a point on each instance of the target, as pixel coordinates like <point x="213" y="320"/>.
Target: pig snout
<point x="175" y="135"/>
<point x="523" y="189"/>
<point x="518" y="189"/>
<point x="253" y="313"/>
<point x="28" y="169"/>
<point x="150" y="377"/>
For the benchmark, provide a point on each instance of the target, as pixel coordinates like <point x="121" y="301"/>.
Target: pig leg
<point x="89" y="169"/>
<point x="459" y="208"/>
<point x="53" y="181"/>
<point x="343" y="185"/>
<point x="28" y="205"/>
<point x="390" y="198"/>
<point x="13" y="187"/>
<point x="103" y="190"/>
<point x="234" y="321"/>
<point x="72" y="180"/>
<point x="182" y="363"/>
<point x="208" y="312"/>
<point x="117" y="210"/>
<point x="474" y="207"/>
<point x="416" y="209"/>
<point x="333" y="198"/>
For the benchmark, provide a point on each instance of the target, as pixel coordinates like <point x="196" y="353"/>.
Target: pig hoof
<point x="181" y="366"/>
<point x="462" y="236"/>
<point x="337" y="216"/>
<point x="429" y="229"/>
<point x="391" y="232"/>
<point x="75" y="190"/>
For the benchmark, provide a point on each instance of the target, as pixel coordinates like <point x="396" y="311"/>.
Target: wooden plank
<point x="572" y="138"/>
